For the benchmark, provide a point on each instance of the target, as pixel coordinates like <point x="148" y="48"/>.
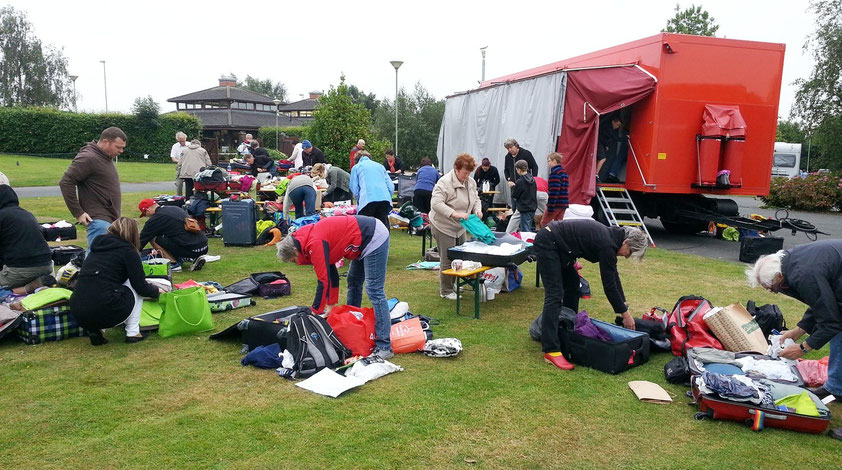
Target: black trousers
<point x="379" y="210"/>
<point x="421" y="200"/>
<point x="188" y="187"/>
<point x="338" y="195"/>
<point x="561" y="287"/>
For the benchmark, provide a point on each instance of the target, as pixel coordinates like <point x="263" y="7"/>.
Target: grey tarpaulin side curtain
<point x="477" y="122"/>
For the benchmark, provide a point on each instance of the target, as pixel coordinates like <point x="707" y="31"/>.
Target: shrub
<point x="276" y="155"/>
<point x="50" y="132"/>
<point x="816" y="192"/>
<point x="267" y="134"/>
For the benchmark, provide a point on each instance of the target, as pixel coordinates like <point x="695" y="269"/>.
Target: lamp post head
<point x="482" y="50"/>
<point x="101" y="61"/>
<point x="74" y="77"/>
<point x="396" y="64"/>
<point x="276" y="101"/>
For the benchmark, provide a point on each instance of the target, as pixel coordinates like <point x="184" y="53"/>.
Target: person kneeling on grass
<point x="365" y="242"/>
<point x="111" y="284"/>
<point x="167" y="231"/>
<point x="24" y="254"/>
<point x="557" y="246"/>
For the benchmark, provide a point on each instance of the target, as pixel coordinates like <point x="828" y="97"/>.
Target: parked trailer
<point x="694" y="105"/>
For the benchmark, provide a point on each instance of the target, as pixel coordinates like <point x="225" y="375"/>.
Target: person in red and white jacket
<point x="360" y="239"/>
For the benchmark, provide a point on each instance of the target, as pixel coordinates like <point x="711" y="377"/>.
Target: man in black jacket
<point x="311" y="154"/>
<point x="260" y="160"/>
<point x="167" y="233"/>
<point x="812" y="274"/>
<point x="514" y="154"/>
<point x="557" y="246"/>
<point x="24" y="254"/>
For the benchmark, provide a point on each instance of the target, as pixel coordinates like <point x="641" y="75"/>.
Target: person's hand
<point x="261" y="170"/>
<point x="628" y="320"/>
<point x="478" y="213"/>
<point x="161" y="290"/>
<point x="84" y="219"/>
<point x="792" y="351"/>
<point x="458" y="215"/>
<point x="511" y="183"/>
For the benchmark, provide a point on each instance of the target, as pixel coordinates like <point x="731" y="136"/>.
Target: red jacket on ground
<point x="324" y="244"/>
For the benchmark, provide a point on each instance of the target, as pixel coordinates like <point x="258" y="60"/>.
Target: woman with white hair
<point x="557" y="246"/>
<point x="812" y="274"/>
<point x="193" y="159"/>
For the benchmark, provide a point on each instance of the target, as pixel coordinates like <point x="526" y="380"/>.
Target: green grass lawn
<point x="38" y="171"/>
<point x="186" y="402"/>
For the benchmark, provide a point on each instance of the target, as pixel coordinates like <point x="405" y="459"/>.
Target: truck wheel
<point x="684" y="228"/>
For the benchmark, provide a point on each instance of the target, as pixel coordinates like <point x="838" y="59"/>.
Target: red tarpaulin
<point x="591" y="93"/>
<point x="723" y="121"/>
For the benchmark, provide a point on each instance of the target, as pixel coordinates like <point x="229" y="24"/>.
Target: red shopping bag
<point x="354" y="327"/>
<point x="408" y="336"/>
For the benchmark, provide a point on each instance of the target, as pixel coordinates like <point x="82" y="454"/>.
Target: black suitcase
<point x="62" y="254"/>
<point x="55" y="233"/>
<point x="239" y="222"/>
<point x="262" y="330"/>
<point x="752" y="248"/>
<point x="629" y="348"/>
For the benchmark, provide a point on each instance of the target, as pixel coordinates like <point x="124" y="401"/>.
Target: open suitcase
<point x="261" y="330"/>
<point x="714" y="407"/>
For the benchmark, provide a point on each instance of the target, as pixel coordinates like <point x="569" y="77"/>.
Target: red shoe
<point x="558" y="361"/>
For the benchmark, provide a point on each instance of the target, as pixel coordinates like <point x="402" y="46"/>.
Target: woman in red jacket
<point x="360" y="239"/>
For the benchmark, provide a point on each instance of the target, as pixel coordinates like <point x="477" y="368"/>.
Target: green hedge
<point x="50" y="132"/>
<point x="268" y="133"/>
<point x="816" y="192"/>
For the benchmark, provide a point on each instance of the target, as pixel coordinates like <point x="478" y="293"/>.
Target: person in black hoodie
<point x="24" y="254"/>
<point x="557" y="246"/>
<point x="111" y="284"/>
<point x="166" y="231"/>
<point x="525" y="193"/>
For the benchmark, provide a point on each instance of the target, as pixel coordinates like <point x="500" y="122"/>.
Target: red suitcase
<point x="713" y="407"/>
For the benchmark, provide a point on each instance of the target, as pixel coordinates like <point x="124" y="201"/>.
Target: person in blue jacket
<point x="427" y="177"/>
<point x="372" y="188"/>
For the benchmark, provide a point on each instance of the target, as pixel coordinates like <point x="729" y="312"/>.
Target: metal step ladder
<point x="619" y="209"/>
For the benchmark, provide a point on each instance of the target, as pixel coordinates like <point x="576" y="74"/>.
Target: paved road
<point x="43" y="191"/>
<point x="709" y="247"/>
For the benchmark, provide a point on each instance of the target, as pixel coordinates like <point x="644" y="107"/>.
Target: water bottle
<point x="229" y="167"/>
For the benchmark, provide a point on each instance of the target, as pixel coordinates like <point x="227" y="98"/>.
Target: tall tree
<point x="147" y="110"/>
<point x="31" y="74"/>
<point x="369" y="100"/>
<point x="419" y="120"/>
<point x="692" y="20"/>
<point x="818" y="101"/>
<point x="265" y="87"/>
<point x="338" y="123"/>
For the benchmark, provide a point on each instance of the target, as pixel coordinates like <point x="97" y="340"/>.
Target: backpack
<point x="677" y="371"/>
<point x="314" y="345"/>
<point x="687" y="328"/>
<point x="769" y="317"/>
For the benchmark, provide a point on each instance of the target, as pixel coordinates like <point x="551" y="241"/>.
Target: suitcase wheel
<point x="702" y="415"/>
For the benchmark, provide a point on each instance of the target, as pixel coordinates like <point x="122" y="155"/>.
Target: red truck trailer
<point x="694" y="106"/>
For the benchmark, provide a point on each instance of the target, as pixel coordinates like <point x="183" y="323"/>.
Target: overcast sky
<point x="166" y="49"/>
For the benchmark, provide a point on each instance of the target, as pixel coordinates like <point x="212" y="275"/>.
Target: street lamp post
<point x="277" y="132"/>
<point x="105" y="85"/>
<point x="396" y="64"/>
<point x="482" y="50"/>
<point x="74" y="77"/>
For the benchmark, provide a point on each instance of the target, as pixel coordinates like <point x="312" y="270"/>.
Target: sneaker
<point x="558" y="360"/>
<point x="198" y="263"/>
<point x="97" y="338"/>
<point x="383" y="354"/>
<point x="822" y="393"/>
<point x="836" y="433"/>
<point x="175" y="267"/>
<point x="450" y="296"/>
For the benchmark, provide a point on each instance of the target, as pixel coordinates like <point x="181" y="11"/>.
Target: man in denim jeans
<point x="93" y="174"/>
<point x="811" y="274"/>
<point x="360" y="239"/>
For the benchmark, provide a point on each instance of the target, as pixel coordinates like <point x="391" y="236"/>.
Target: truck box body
<point x="691" y="72"/>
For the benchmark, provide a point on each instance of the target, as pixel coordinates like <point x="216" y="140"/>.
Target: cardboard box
<point x="736" y="329"/>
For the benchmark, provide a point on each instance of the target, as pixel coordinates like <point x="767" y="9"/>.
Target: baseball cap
<point x="306" y="144"/>
<point x="145" y="204"/>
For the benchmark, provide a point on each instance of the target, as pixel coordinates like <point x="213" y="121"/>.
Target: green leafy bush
<point x="276" y="155"/>
<point x="50" y="132"/>
<point x="816" y="192"/>
<point x="268" y="133"/>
